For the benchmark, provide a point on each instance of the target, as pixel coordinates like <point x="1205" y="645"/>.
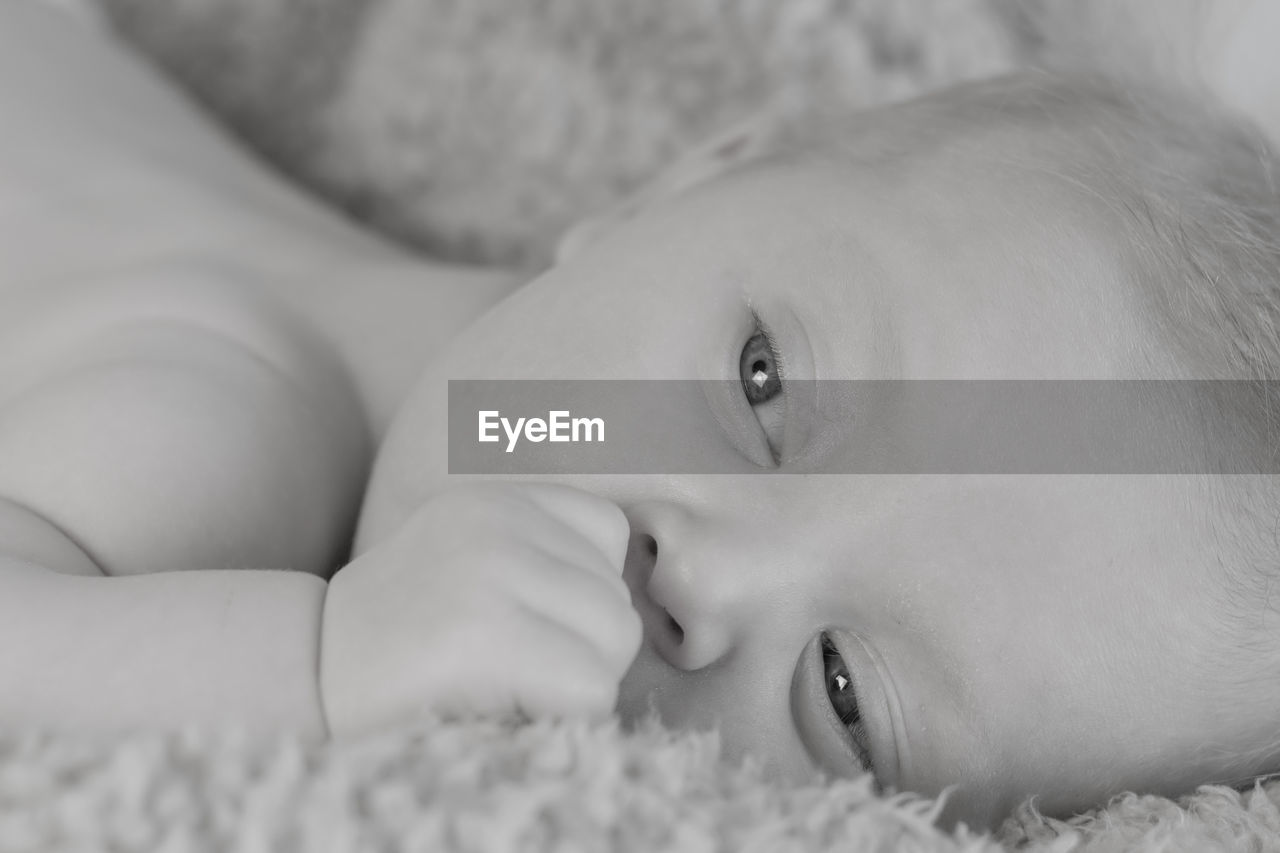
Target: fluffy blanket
<point x="493" y="788"/>
<point x="477" y="130"/>
<point x="480" y="129"/>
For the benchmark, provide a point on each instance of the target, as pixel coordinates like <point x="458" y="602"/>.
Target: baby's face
<point x="1056" y="635"/>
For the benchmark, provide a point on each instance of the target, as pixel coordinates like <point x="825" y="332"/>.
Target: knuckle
<point x="618" y="639"/>
<point x="614" y="522"/>
<point x="627" y="636"/>
<point x="597" y="694"/>
<point x="588" y="683"/>
<point x="548" y="497"/>
<point x="477" y="501"/>
<point x="587" y="505"/>
<point x="618" y="587"/>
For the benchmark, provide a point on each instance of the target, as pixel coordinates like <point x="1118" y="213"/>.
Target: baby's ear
<point x="1226" y="46"/>
<point x="730" y="147"/>
<point x="1241" y="62"/>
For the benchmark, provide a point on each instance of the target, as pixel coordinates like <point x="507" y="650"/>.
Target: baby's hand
<point x="491" y="599"/>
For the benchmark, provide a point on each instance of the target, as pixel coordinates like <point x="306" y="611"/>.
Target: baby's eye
<point x="761" y="377"/>
<point x="759" y="369"/>
<point x="841" y="693"/>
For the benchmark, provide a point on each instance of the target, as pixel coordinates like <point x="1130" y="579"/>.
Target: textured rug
<point x="491" y="788"/>
<point x="477" y="130"/>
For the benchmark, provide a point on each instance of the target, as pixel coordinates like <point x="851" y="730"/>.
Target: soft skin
<point x="1050" y="635"/>
<point x="499" y="598"/>
<point x="190" y="387"/>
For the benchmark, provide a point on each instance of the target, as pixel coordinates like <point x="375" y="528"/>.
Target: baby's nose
<point x="693" y="606"/>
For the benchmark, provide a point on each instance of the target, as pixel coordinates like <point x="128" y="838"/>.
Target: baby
<point x="197" y="365"/>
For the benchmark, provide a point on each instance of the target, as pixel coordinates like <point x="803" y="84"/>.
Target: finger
<point x="538" y="532"/>
<point x="584" y="602"/>
<point x="586" y="529"/>
<point x="599" y="520"/>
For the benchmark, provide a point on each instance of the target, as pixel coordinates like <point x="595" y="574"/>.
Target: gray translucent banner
<point x="518" y="427"/>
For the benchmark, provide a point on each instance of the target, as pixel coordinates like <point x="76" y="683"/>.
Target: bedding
<point x="494" y="787"/>
<point x="479" y="130"/>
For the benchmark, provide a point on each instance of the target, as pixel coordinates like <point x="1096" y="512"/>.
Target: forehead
<point x="986" y="259"/>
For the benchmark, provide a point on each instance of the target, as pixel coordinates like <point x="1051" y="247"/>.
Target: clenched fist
<point x="492" y="599"/>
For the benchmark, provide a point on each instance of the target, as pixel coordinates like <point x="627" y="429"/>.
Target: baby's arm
<point x="169" y="432"/>
<point x="171" y="446"/>
<point x="157" y="422"/>
<point x="490" y="599"/>
<point x="211" y="647"/>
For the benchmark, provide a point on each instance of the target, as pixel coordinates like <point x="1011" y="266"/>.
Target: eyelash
<point x="769" y="391"/>
<point x="763" y="328"/>
<point x="763" y="384"/>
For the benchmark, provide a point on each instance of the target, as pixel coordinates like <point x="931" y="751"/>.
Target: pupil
<point x="760" y="380"/>
<point x="843" y="701"/>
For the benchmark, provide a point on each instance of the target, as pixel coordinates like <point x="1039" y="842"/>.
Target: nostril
<point x="672" y="631"/>
<point x="676" y="631"/>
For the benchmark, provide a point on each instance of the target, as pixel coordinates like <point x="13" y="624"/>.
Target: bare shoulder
<point x="169" y="416"/>
<point x="161" y="407"/>
<point x="195" y="359"/>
